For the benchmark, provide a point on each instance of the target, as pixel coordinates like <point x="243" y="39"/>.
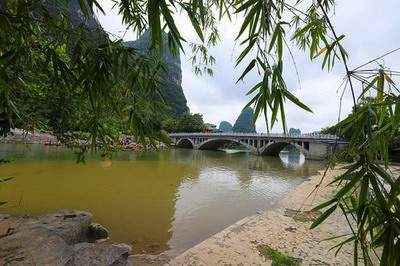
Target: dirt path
<point x="282" y="228"/>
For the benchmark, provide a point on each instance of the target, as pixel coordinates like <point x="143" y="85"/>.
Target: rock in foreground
<point x="59" y="238"/>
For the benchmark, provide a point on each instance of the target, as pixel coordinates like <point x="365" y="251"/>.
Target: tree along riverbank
<point x="125" y="142"/>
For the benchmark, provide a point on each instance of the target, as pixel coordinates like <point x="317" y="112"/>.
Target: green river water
<point x="159" y="202"/>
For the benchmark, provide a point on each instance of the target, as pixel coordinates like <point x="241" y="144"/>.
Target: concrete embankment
<point x="284" y="228"/>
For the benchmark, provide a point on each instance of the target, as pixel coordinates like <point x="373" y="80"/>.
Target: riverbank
<point x="284" y="229"/>
<point x="18" y="136"/>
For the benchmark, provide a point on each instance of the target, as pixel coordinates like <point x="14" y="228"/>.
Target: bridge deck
<point x="303" y="137"/>
<point x="313" y="146"/>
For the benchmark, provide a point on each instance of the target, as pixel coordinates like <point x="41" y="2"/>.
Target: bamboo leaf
<point x="245" y="6"/>
<point x="248" y="68"/>
<point x="194" y="22"/>
<point x="255" y="87"/>
<point x="245" y="52"/>
<point x="324" y="204"/>
<point x="319" y="52"/>
<point x="323" y="216"/>
<point x="249" y="17"/>
<point x="296" y="101"/>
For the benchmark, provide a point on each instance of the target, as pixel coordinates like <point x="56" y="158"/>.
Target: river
<point x="159" y="202"/>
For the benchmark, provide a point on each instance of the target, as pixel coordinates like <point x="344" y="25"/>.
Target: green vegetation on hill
<point x="64" y="75"/>
<point x="171" y="74"/>
<point x="245" y="122"/>
<point x="294" y="131"/>
<point x="187" y="122"/>
<point x="225" y="126"/>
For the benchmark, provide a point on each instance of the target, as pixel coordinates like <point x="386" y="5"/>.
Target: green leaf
<point x="245" y="6"/>
<point x="194" y="22"/>
<point x="323" y="216"/>
<point x="84" y="6"/>
<point x="249" y="17"/>
<point x="363" y="196"/>
<point x="254" y="88"/>
<point x="341" y="244"/>
<point x="350" y="185"/>
<point x="273" y="38"/>
<point x="296" y="101"/>
<point x="248" y="68"/>
<point x="245" y="52"/>
<point x="306" y="28"/>
<point x="369" y="86"/>
<point x="324" y="204"/>
<point x="153" y="7"/>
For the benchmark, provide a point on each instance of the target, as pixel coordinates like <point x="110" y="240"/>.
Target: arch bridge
<point x="313" y="146"/>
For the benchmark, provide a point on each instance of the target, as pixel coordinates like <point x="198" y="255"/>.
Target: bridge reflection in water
<point x="313" y="146"/>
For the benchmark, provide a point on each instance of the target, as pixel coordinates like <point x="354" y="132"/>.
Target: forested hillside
<point x="65" y="103"/>
<point x="225" y="126"/>
<point x="244" y="123"/>
<point x="170" y="87"/>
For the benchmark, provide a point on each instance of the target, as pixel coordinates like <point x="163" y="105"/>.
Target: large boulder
<point x="99" y="254"/>
<point x="72" y="226"/>
<point x="96" y="232"/>
<point x="36" y="246"/>
<point x="58" y="238"/>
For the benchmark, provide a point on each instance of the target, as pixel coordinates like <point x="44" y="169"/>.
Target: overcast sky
<point x="371" y="28"/>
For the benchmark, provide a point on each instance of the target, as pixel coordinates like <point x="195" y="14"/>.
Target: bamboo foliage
<point x="367" y="193"/>
<point x="43" y="53"/>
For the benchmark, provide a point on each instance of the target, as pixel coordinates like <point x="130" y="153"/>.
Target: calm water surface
<point x="159" y="202"/>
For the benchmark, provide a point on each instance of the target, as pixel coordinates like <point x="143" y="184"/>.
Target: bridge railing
<point x="271" y="135"/>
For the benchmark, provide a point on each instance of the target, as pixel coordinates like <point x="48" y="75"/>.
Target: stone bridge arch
<point x="185" y="143"/>
<point x="274" y="148"/>
<point x="313" y="146"/>
<point x="216" y="143"/>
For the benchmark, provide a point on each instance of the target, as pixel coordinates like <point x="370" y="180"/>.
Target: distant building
<point x="211" y="128"/>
